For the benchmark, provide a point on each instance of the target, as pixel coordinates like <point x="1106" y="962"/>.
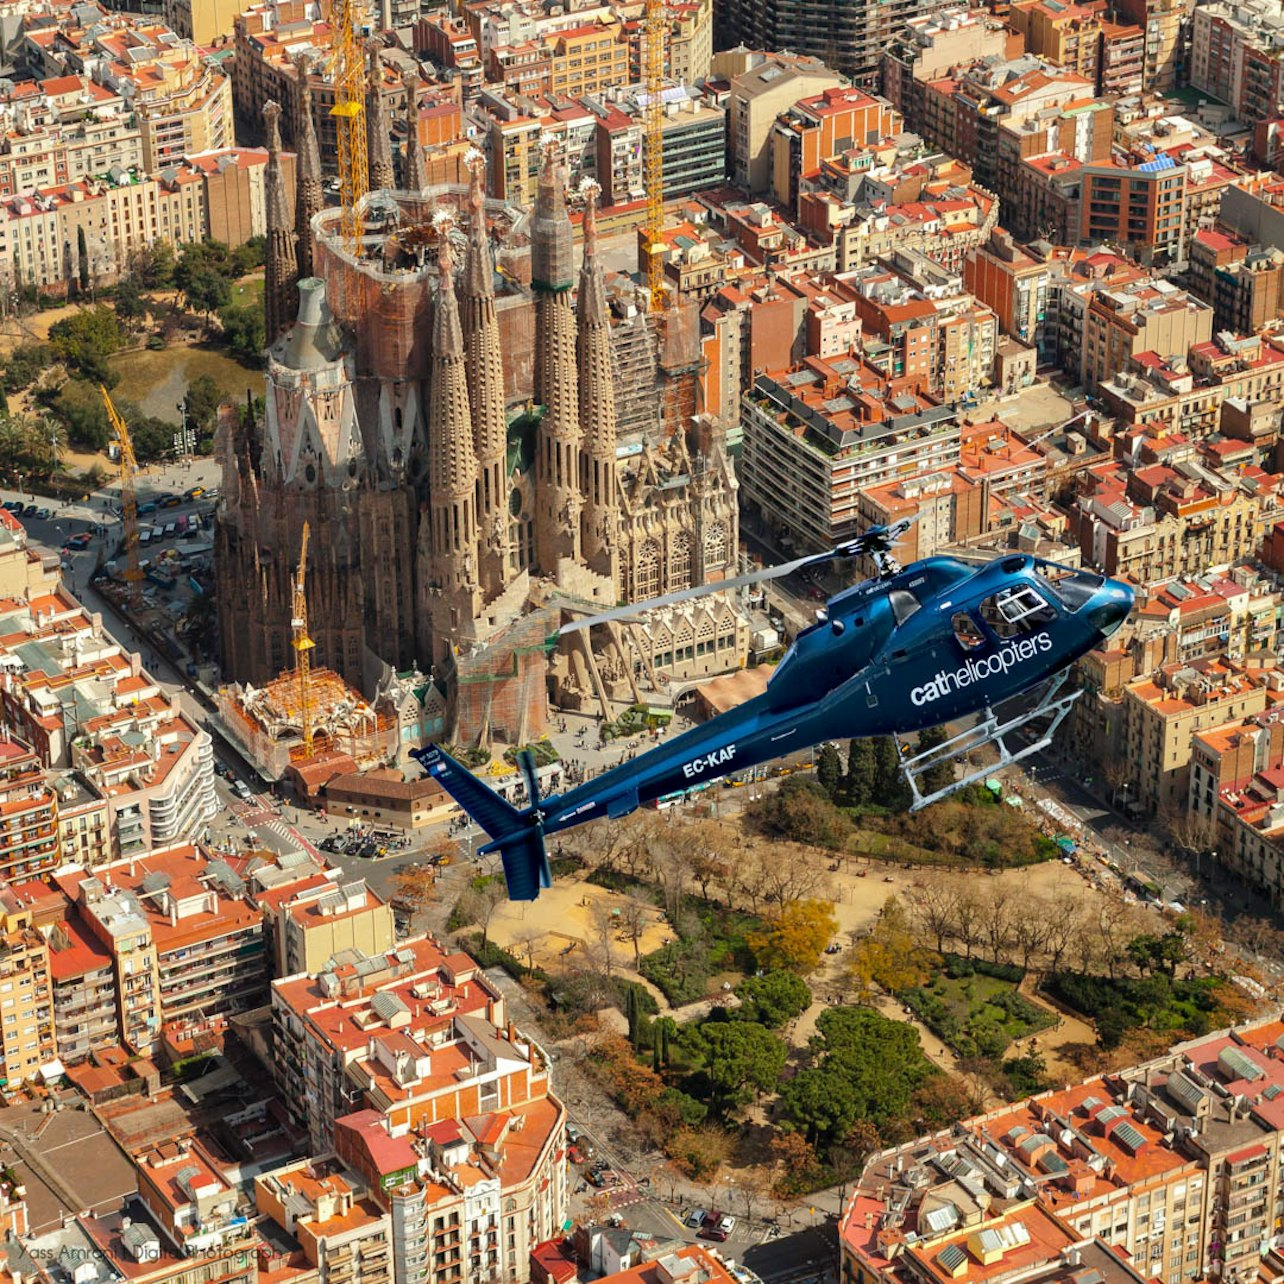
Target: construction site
<point x="485" y="435"/>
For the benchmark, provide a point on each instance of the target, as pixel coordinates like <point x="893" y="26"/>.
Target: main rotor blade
<point x="699" y="590"/>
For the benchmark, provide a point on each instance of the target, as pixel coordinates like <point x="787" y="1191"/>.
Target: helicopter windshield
<point x="1071" y="588"/>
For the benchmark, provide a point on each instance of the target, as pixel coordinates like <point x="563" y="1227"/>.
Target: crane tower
<point x="128" y="503"/>
<point x="349" y="73"/>
<point x="653" y="122"/>
<point x="303" y="645"/>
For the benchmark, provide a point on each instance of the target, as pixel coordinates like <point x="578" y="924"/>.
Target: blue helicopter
<point x="931" y="643"/>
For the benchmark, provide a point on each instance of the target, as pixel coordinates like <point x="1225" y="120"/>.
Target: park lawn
<point x="248" y="291"/>
<point x="977" y="1014"/>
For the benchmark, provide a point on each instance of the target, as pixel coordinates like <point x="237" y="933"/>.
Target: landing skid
<point x="990" y="731"/>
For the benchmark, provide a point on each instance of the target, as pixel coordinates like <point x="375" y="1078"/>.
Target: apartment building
<point x="27" y="1043"/>
<point x="343" y="1232"/>
<point x="1166" y="1170"/>
<point x="1068" y="35"/>
<point x="185" y="940"/>
<point x="184" y="1189"/>
<point x="84" y="823"/>
<point x="813" y="129"/>
<point x="29" y="832"/>
<point x="1222" y="385"/>
<point x="1013" y="284"/>
<point x="405" y="1065"/>
<point x="1143" y="316"/>
<point x="818" y="434"/>
<point x="83" y="972"/>
<point x="1243" y="282"/>
<point x="1163" y="711"/>
<point x="763" y="85"/>
<point x="1139" y="202"/>
<point x="1172" y="520"/>
<point x="80" y="701"/>
<point x="320" y="922"/>
<point x="931" y="44"/>
<point x="1234" y="55"/>
<point x="1164" y="26"/>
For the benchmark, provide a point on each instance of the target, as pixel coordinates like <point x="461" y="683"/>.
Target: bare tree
<point x="934" y="909"/>
<point x="633" y="920"/>
<point x="478" y="904"/>
<point x="1030" y="927"/>
<point x="1063" y="925"/>
<point x="1190" y="831"/>
<point x="968" y="921"/>
<point x="603" y="924"/>
<point x="1116" y="772"/>
<point x="995" y="918"/>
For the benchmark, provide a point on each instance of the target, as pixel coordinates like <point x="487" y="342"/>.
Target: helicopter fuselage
<point x="926" y="646"/>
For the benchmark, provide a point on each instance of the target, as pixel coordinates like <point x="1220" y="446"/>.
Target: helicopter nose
<point x="1110" y="607"/>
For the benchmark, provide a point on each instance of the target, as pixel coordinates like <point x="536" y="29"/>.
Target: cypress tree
<point x="861" y="785"/>
<point x="829" y="771"/>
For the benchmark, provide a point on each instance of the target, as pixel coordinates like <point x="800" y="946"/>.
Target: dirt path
<point x="1069" y="1031"/>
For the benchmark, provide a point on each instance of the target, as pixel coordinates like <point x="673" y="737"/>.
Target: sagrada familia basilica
<point x="442" y="409"/>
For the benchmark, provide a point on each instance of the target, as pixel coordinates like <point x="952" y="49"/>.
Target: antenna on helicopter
<point x="877" y="542"/>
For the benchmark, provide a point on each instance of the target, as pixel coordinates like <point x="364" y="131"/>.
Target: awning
<point x="52" y="1070"/>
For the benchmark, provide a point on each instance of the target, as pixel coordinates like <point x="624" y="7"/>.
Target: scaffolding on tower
<point x="653" y="151"/>
<point x="128" y="504"/>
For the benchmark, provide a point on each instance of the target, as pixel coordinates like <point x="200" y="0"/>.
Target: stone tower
<point x="416" y="175"/>
<point x="599" y="482"/>
<point x="557" y="449"/>
<point x="280" y="285"/>
<point x="378" y="141"/>
<point x="308" y="196"/>
<point x="485" y="369"/>
<point x="453" y="595"/>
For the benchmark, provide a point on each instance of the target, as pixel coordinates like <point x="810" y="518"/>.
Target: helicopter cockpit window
<point x="903" y="604"/>
<point x="1072" y="588"/>
<point x="1014" y="611"/>
<point x="969" y="636"/>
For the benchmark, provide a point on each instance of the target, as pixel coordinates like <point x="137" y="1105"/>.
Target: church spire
<point x="308" y="196"/>
<point x="416" y="167"/>
<point x="485" y="369"/>
<point x="378" y="143"/>
<point x="557" y="454"/>
<point x="280" y="286"/>
<point x="597" y="403"/>
<point x="454" y="600"/>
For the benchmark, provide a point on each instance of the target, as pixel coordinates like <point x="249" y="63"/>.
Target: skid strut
<point x="988" y="731"/>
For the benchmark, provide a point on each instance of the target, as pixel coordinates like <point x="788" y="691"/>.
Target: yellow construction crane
<point x="128" y="503"/>
<point x="303" y="645"/>
<point x="348" y="68"/>
<point x="653" y="176"/>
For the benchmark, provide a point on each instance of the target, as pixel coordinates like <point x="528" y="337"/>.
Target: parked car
<point x="44" y="514"/>
<point x="695" y="1218"/>
<point x="242" y="790"/>
<point x="147" y="506"/>
<point x="31" y="510"/>
<point x="717" y="1226"/>
<point x="12" y="505"/>
<point x="195" y="492"/>
<point x="80" y="541"/>
<point x="170" y="501"/>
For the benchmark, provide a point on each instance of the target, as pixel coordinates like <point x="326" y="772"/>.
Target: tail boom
<point x="518" y="836"/>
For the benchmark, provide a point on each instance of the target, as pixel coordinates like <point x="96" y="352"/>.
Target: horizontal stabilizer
<point x="525" y="862"/>
<point x="480" y="801"/>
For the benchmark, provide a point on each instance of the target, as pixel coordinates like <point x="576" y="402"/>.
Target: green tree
<point x="25" y="364"/>
<point x="156" y="265"/>
<point x="829" y="771"/>
<point x="128" y="301"/>
<point x="740" y="1058"/>
<point x="773" y="998"/>
<point x="152" y="438"/>
<point x="85" y="341"/>
<point x="206" y="291"/>
<point x="868" y="1067"/>
<point x="248" y="256"/>
<point x="80" y="406"/>
<point x="203" y="399"/>
<point x="197" y="258"/>
<point x="82" y="257"/>
<point x="244" y="333"/>
<point x="800" y="811"/>
<point x="862" y="774"/>
<point x="941" y="774"/>
<point x="890" y="788"/>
